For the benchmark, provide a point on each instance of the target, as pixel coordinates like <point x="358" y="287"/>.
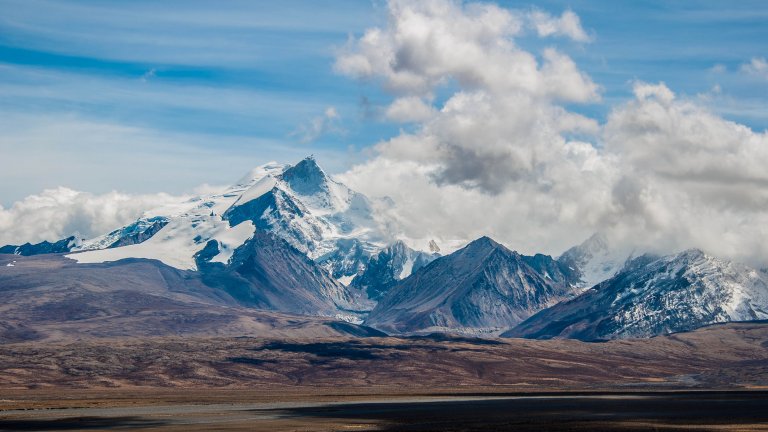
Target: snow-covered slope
<point x="594" y="260"/>
<point x="186" y="228"/>
<point x="177" y="243"/>
<point x="653" y="296"/>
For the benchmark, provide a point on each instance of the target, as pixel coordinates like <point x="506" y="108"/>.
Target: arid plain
<point x="711" y="379"/>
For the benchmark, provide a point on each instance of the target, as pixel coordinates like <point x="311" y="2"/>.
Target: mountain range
<point x="654" y="295"/>
<point x="483" y="288"/>
<point x="290" y="241"/>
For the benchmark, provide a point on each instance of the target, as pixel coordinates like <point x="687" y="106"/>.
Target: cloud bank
<point x="61" y="212"/>
<point x="499" y="156"/>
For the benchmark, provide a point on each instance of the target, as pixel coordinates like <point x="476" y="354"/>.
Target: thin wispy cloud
<point x="757" y="66"/>
<point x="329" y="123"/>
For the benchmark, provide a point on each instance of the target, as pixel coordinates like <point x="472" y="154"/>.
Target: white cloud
<point x="689" y="177"/>
<point x="568" y="24"/>
<point x="493" y="159"/>
<point x="660" y="92"/>
<point x="426" y="43"/>
<point x="409" y="109"/>
<point x="664" y="173"/>
<point x="757" y="66"/>
<point x="719" y="68"/>
<point x="61" y="212"/>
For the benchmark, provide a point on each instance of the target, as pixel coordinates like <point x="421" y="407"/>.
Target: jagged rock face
<point x="349" y="258"/>
<point x="483" y="288"/>
<point x="551" y="269"/>
<point x="306" y="178"/>
<point x="281" y="214"/>
<point x="653" y="296"/>
<point x="385" y="269"/>
<point x="135" y="233"/>
<point x="45" y="247"/>
<point x="138" y="232"/>
<point x="267" y="273"/>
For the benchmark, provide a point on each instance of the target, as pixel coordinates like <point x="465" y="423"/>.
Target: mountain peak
<point x="484" y="242"/>
<point x="655" y="295"/>
<point x="482" y="288"/>
<point x="306" y="177"/>
<point x="691" y="254"/>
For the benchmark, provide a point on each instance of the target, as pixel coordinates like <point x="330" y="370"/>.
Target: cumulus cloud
<point x="689" y="177"/>
<point x="719" y="68"/>
<point x="409" y="109"/>
<point x="568" y="24"/>
<point x="426" y="44"/>
<point x="498" y="157"/>
<point x="495" y="154"/>
<point x="757" y="66"/>
<point x="61" y="212"/>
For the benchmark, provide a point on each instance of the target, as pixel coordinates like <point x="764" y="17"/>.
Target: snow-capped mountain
<point x="330" y="224"/>
<point x="390" y="265"/>
<point x="322" y="218"/>
<point x="594" y="260"/>
<point x="652" y="296"/>
<point x="190" y="226"/>
<point x="301" y="204"/>
<point x="483" y="288"/>
<point x="292" y="239"/>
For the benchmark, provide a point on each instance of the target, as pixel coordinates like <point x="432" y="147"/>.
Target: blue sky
<point x="145" y="96"/>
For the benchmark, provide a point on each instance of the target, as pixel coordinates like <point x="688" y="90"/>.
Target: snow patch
<point x="232" y="238"/>
<point x="177" y="243"/>
<point x="261" y="187"/>
<point x="354" y="319"/>
<point x="407" y="267"/>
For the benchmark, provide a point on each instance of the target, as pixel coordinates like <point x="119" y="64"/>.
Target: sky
<point x="535" y="123"/>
